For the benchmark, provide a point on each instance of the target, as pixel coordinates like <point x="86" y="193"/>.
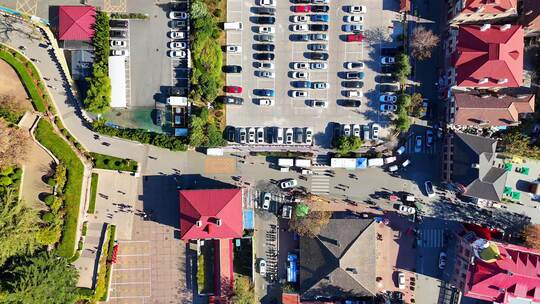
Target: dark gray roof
<point x="340" y="262"/>
<point x="472" y="166"/>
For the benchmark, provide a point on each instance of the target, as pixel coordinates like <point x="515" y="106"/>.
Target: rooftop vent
<point x="483" y="80"/>
<point x="502" y="81"/>
<point x="485" y="27"/>
<point x="198" y="223"/>
<point x="506" y="27"/>
<point x="218" y="222"/>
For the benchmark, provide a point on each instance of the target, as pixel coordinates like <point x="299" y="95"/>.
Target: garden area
<point x="102" y="161"/>
<point x="205" y="268"/>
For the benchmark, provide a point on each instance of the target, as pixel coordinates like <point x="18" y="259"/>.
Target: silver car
<point x="251" y="135"/>
<point x="260" y="135"/>
<point x="242" y="136"/>
<point x="289" y="136"/>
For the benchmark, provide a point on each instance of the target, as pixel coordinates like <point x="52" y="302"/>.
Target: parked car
<point x="316" y="103"/>
<point x="366" y="134"/>
<point x="264" y="47"/>
<point x="266" y="102"/>
<point x="267" y="198"/>
<point x="180" y="24"/>
<point x="320" y="8"/>
<point x="354" y="75"/>
<point x="353" y="28"/>
<point x="298" y="135"/>
<point x="233" y="100"/>
<point x="356" y="130"/>
<point x="318" y="65"/>
<point x="266" y="30"/>
<point x="288" y="183"/>
<point x="388" y="107"/>
<point x="353" y="19"/>
<point x="302" y="27"/>
<point x="401" y="280"/>
<point x="442" y="260"/>
<point x="242" y="136"/>
<point x="352" y="93"/>
<point x="118" y="34"/>
<point x="289" y="133"/>
<point x="264" y="20"/>
<point x="355" y="37"/>
<point x="350" y="103"/>
<point x="390" y="98"/>
<point x="352" y="84"/>
<point x="386" y="87"/>
<point x="386" y="79"/>
<point x="316" y="56"/>
<point x="286" y="212"/>
<point x="318" y="85"/>
<point x="177" y="45"/>
<point x="178" y="15"/>
<point x="178" y="53"/>
<point x="264" y="38"/>
<point x="264" y="10"/>
<point x="300" y="75"/>
<point x="233" y="49"/>
<point x="418" y="144"/>
<point x="309" y="136"/>
<point x="298" y="94"/>
<point x="233" y="89"/>
<point x="267" y="3"/>
<point x="232" y="69"/>
<point x="302" y="84"/>
<point x="300" y="19"/>
<point x="317" y="27"/>
<point x="264" y="56"/>
<point x="251" y="135"/>
<point x="318" y="47"/>
<point x="429" y="138"/>
<point x="354" y="65"/>
<point x="267" y="92"/>
<point x="429" y="189"/>
<point x="262" y="267"/>
<point x="264" y="65"/>
<point x="119" y="43"/>
<point x="265" y="74"/>
<point x="118" y="23"/>
<point x="259" y="134"/>
<point x="318" y="37"/>
<point x="357" y="9"/>
<point x="388" y="60"/>
<point x="302" y="8"/>
<point x="375" y="128"/>
<point x="177" y="35"/>
<point x="319" y="18"/>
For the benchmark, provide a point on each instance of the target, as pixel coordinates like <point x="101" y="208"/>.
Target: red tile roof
<point x="495" y="54"/>
<point x="489" y="6"/>
<point x="290" y="298"/>
<point x="209" y="206"/>
<point x="490" y="110"/>
<point x="76" y="22"/>
<point x="515" y="274"/>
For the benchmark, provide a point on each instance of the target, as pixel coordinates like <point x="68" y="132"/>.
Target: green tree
<point x="347" y="144"/>
<point x="41" y="279"/>
<point x="518" y="144"/>
<point x="243" y="291"/>
<point x="416" y="108"/>
<point x="18" y="227"/>
<point x="60" y="175"/>
<point x="198" y="136"/>
<point x="402" y="121"/>
<point x="198" y="10"/>
<point x="403" y="68"/>
<point x="317" y="217"/>
<point x="215" y="137"/>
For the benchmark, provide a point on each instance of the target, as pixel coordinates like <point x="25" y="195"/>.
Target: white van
<point x="393" y="168"/>
<point x="278" y="136"/>
<point x="235" y="26"/>
<point x="406" y="163"/>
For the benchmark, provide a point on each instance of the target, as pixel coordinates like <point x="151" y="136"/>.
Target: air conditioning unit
<point x="485" y="27"/>
<point x="218" y="222"/>
<point x="483" y="80"/>
<point x="502" y="81"/>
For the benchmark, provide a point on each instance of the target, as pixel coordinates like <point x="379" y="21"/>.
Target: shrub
<point x="5" y="181"/>
<point x="49" y="199"/>
<point x="6" y="171"/>
<point x="51" y="182"/>
<point x="47" y="217"/>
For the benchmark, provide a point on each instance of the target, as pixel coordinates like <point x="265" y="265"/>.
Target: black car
<point x="350" y="103"/>
<point x="264" y="47"/>
<point x="231" y="132"/>
<point x="317" y="56"/>
<point x="118" y="23"/>
<point x="352" y="84"/>
<point x="232" y="69"/>
<point x="263" y="56"/>
<point x="320" y="8"/>
<point x="385" y="79"/>
<point x="264" y="20"/>
<point x="318" y="27"/>
<point x="389" y="87"/>
<point x="299" y="37"/>
<point x="388" y="51"/>
<point x="301" y="1"/>
<point x="388" y="69"/>
<point x="179" y="6"/>
<point x="179" y="24"/>
<point x="233" y="100"/>
<point x="264" y="38"/>
<point x="159" y="118"/>
<point x="118" y="34"/>
<point x="265" y="11"/>
<point x="318" y="47"/>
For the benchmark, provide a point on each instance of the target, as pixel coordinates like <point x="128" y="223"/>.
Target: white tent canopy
<point x="117" y="73"/>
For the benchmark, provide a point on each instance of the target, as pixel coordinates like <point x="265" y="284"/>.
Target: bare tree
<point x="318" y="216"/>
<point x="14" y="145"/>
<point x="423" y="42"/>
<point x="531" y="235"/>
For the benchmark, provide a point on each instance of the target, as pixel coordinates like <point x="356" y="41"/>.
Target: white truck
<point x="235" y="26"/>
<point x="177" y="101"/>
<point x="285" y="162"/>
<point x="302" y="163"/>
<point x="347" y="163"/>
<point x="375" y="162"/>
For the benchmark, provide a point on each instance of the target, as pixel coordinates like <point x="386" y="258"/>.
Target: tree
<point x="423" y="42"/>
<point x="518" y="144"/>
<point x="243" y="291"/>
<point x="198" y="10"/>
<point x="14" y="145"/>
<point x="311" y="224"/>
<point x="18" y="227"/>
<point x="416" y="107"/>
<point x="531" y="234"/>
<point x="348" y="144"/>
<point x="43" y="278"/>
<point x="402" y="121"/>
<point x="215" y="137"/>
<point x="403" y="68"/>
<point x="60" y="176"/>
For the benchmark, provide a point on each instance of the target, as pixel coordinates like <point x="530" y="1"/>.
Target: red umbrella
<point x="393" y="198"/>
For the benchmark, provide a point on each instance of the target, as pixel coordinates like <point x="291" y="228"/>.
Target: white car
<point x="266" y="102"/>
<point x="388" y="60"/>
<point x="242" y="135"/>
<point x="442" y="260"/>
<point x="118" y="43"/>
<point x="356" y="130"/>
<point x="178" y="54"/>
<point x="353" y="93"/>
<point x="320" y="85"/>
<point x="418" y="144"/>
<point x="354" y="19"/>
<point x="309" y="136"/>
<point x="266" y="30"/>
<point x="267" y="197"/>
<point x="317" y="103"/>
<point x="406" y="209"/>
<point x="354" y="65"/>
<point x="375" y="128"/>
<point x="266" y="74"/>
<point x="233" y="49"/>
<point x="177" y="45"/>
<point x="267" y="3"/>
<point x="353" y="28"/>
<point x="251" y="135"/>
<point x="119" y="52"/>
<point x="346" y="130"/>
<point x="300" y="65"/>
<point x="260" y="135"/>
<point x="264" y="65"/>
<point x="429" y="189"/>
<point x="387" y="107"/>
<point x="357" y="9"/>
<point x="288" y="183"/>
<point x="318" y="65"/>
<point x="262" y="267"/>
<point x="177" y="35"/>
<point x="390" y="98"/>
<point x="300" y="28"/>
<point x="298" y="94"/>
<point x="401" y="280"/>
<point x="177" y="15"/>
<point x="289" y="133"/>
<point x="300" y="18"/>
<point x="300" y="75"/>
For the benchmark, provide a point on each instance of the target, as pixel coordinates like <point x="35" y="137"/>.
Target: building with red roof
<point x="495" y="272"/>
<point x="76" y="22"/>
<point x="486" y="56"/>
<point x="480" y="11"/>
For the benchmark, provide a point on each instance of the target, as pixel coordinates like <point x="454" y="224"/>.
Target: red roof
<point x="489" y="58"/>
<point x="489" y="6"/>
<point x="515" y="274"/>
<point x="218" y="213"/>
<point x="76" y="22"/>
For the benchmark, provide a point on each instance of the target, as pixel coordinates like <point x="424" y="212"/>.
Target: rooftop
<point x="488" y="6"/>
<point x="76" y="22"/>
<point x="489" y="56"/>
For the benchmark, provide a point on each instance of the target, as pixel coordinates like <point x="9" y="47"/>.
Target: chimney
<point x="483" y="80"/>
<point x="485" y="27"/>
<point x="218" y="222"/>
<point x="506" y="27"/>
<point x="502" y="81"/>
<point x="198" y="223"/>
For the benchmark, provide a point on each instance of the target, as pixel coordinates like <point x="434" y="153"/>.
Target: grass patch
<point x="72" y="197"/>
<point x="93" y="193"/>
<point x="205" y="271"/>
<point x="29" y="77"/>
<point x="102" y="161"/>
<point x="200" y="272"/>
<point x="105" y="266"/>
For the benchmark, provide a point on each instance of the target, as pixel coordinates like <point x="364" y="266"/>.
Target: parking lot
<point x="295" y="112"/>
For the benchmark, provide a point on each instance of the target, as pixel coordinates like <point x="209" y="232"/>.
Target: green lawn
<point x="72" y="198"/>
<point x="102" y="161"/>
<point x="93" y="193"/>
<point x="29" y="84"/>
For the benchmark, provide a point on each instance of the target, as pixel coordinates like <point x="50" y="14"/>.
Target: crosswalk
<point x="320" y="183"/>
<point x="432" y="238"/>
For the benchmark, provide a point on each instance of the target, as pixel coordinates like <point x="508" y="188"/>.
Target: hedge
<point x="72" y="197"/>
<point x="93" y="193"/>
<point x="102" y="161"/>
<point x="30" y="83"/>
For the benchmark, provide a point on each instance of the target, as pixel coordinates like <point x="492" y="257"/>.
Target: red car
<point x="355" y="37"/>
<point x="233" y="89"/>
<point x="302" y="9"/>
